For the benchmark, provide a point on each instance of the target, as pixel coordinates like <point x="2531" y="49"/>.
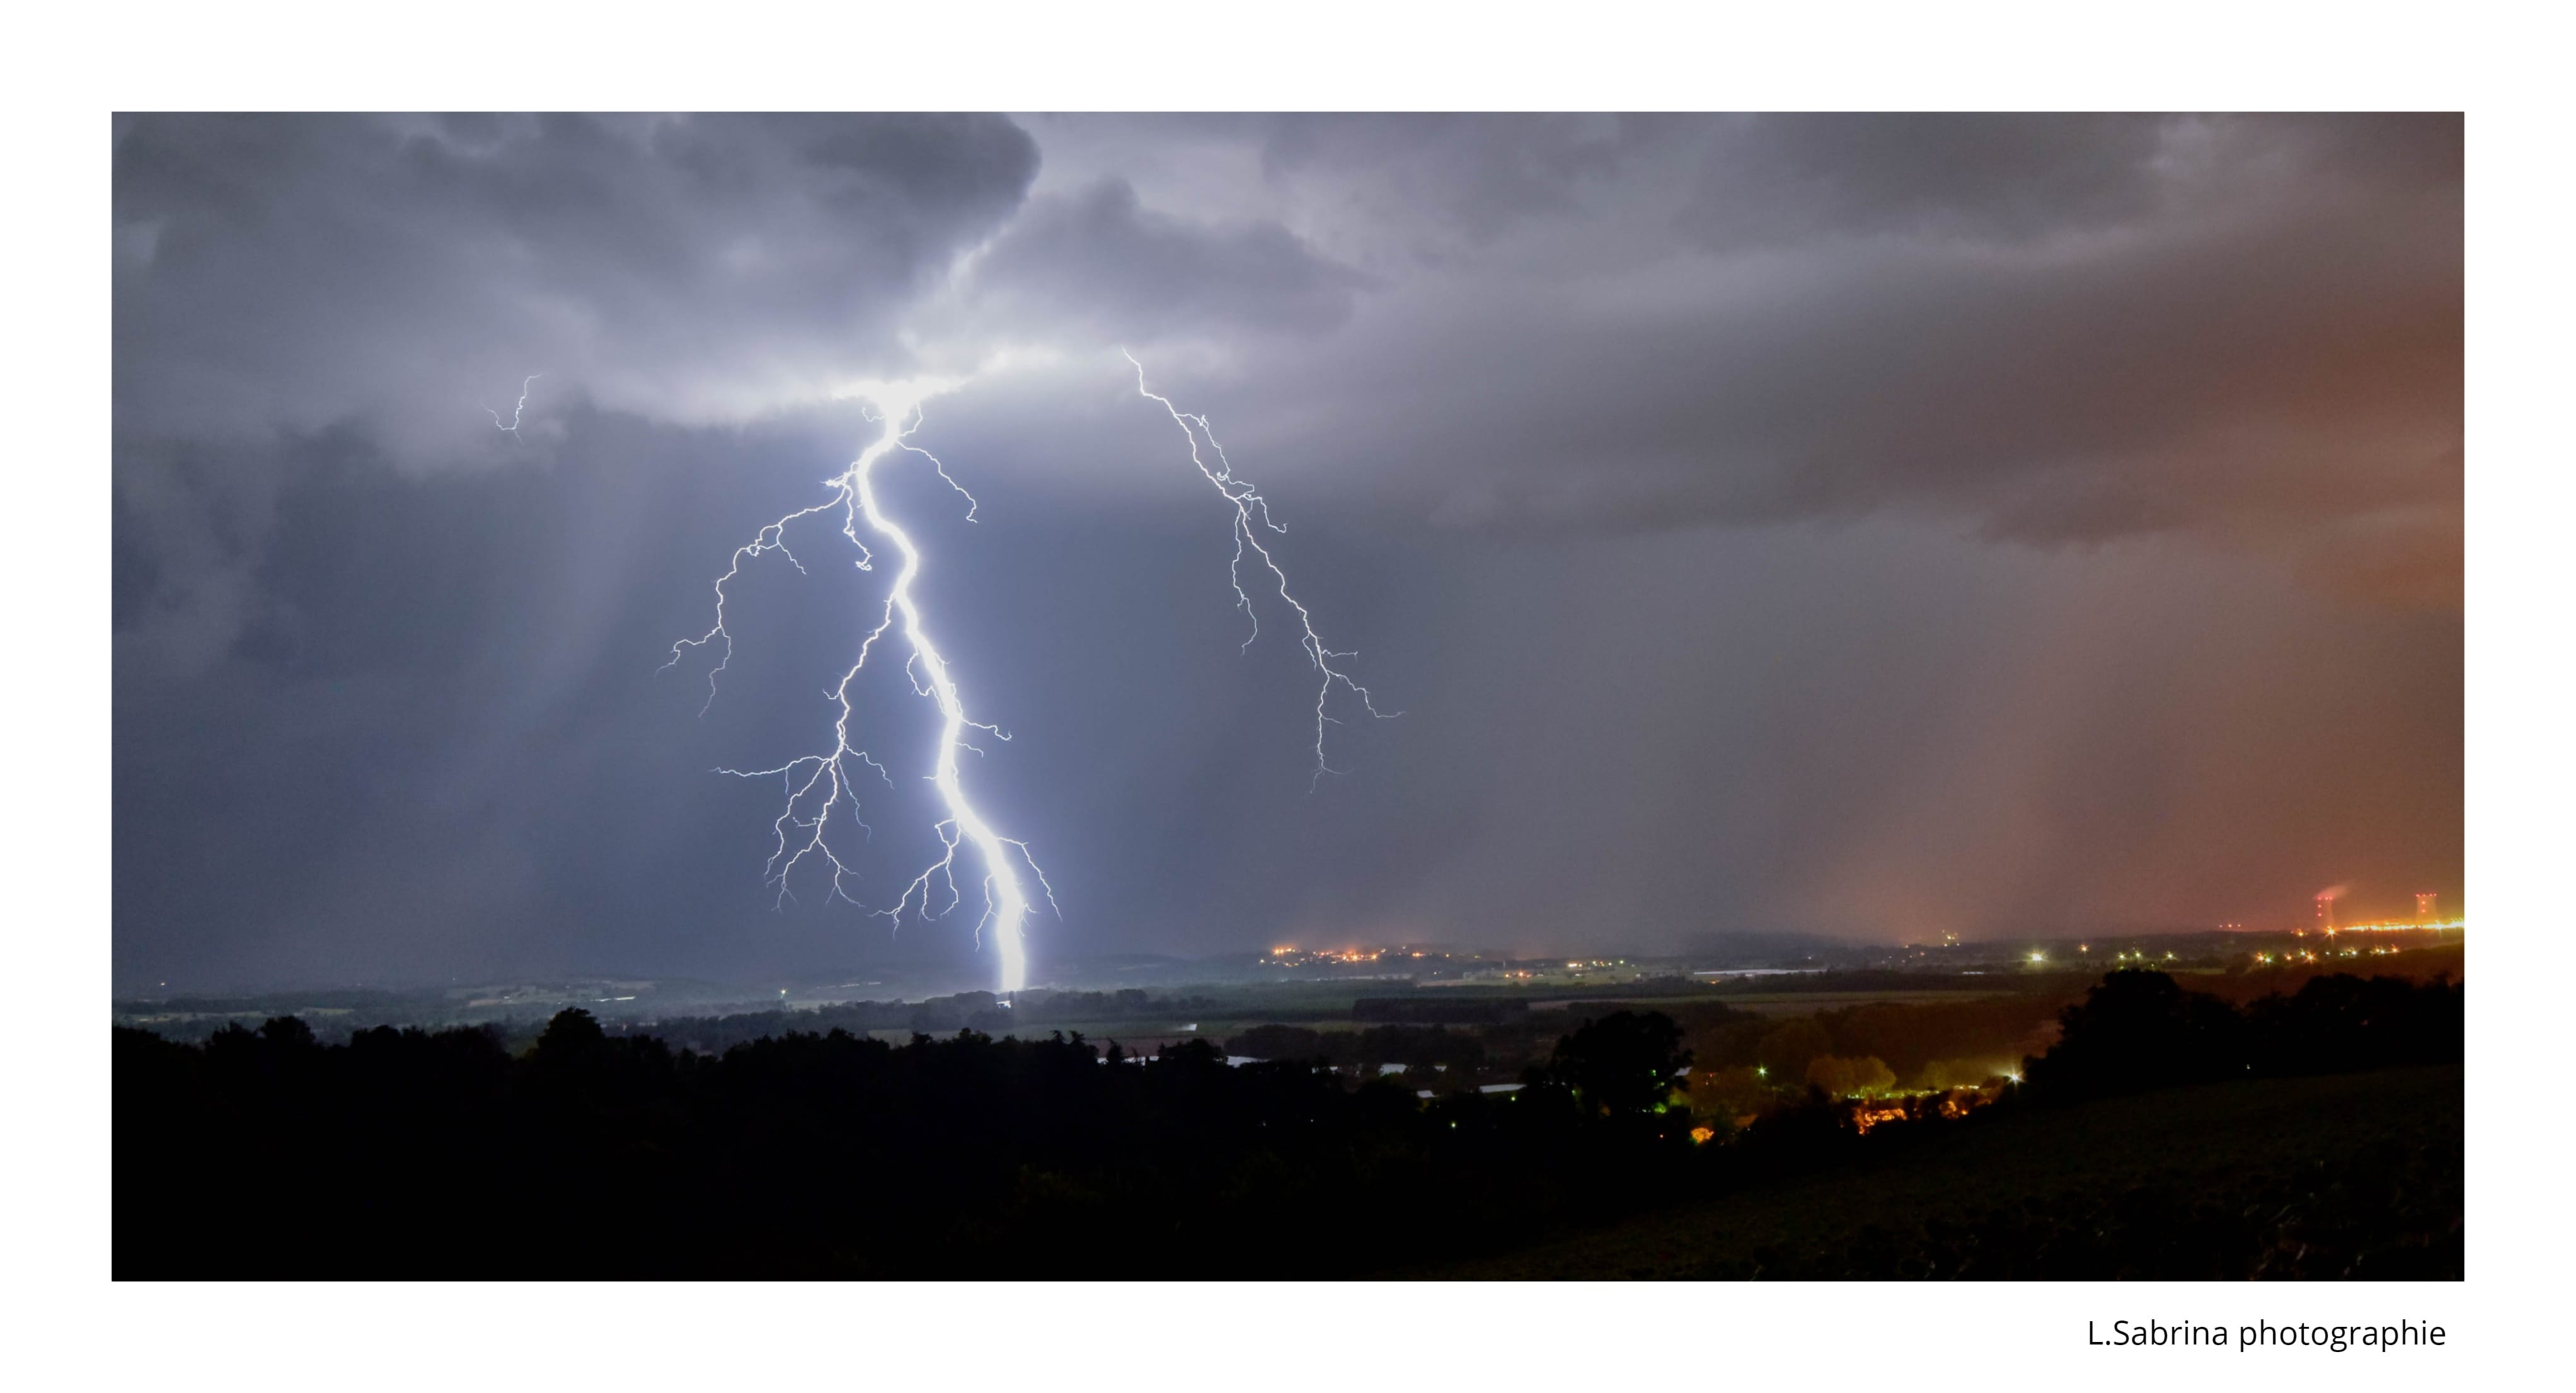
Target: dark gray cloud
<point x="1875" y="525"/>
<point x="1779" y="179"/>
<point x="301" y="273"/>
<point x="1477" y="174"/>
<point x="2048" y="330"/>
<point x="1095" y="261"/>
<point x="2234" y="374"/>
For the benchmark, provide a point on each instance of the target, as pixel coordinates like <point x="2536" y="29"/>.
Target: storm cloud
<point x="297" y="274"/>
<point x="1867" y="524"/>
<point x="2055" y="330"/>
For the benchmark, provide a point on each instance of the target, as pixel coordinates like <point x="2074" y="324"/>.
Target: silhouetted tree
<point x="1786" y="1048"/>
<point x="1624" y="1063"/>
<point x="1841" y="1078"/>
<point x="2140" y="1030"/>
<point x="2342" y="1022"/>
<point x="1279" y="1042"/>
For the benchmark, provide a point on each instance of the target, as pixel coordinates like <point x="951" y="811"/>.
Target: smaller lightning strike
<point x="1248" y="503"/>
<point x="818" y="788"/>
<point x="516" y="411"/>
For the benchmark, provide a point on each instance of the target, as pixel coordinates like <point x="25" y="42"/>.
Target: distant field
<point x="2347" y="1175"/>
<point x="1803" y="1003"/>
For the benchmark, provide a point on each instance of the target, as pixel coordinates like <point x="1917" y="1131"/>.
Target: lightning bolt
<point x="519" y="410"/>
<point x="1249" y="507"/>
<point x="821" y="788"/>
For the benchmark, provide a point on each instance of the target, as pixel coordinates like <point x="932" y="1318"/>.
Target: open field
<point x="1804" y="1003"/>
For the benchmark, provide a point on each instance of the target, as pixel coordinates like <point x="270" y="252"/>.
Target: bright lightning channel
<point x="820" y="786"/>
<point x="1249" y="505"/>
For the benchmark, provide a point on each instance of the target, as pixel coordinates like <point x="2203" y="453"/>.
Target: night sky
<point x="1869" y="526"/>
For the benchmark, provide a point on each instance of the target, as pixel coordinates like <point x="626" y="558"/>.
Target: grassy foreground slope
<point x="2352" y="1175"/>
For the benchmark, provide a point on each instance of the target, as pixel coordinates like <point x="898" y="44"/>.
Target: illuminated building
<point x="2427" y="907"/>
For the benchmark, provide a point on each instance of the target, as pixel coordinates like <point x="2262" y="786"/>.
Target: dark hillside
<point x="2350" y="1175"/>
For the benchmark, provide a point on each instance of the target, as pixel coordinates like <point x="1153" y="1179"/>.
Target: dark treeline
<point x="2390" y="1208"/>
<point x="979" y="1011"/>
<point x="2141" y="1030"/>
<point x="412" y="1152"/>
<point x="1414" y="1046"/>
<point x="1908" y="1036"/>
<point x="406" y="1152"/>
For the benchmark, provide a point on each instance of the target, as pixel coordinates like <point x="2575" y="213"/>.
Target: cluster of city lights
<point x="2135" y="954"/>
<point x="1289" y="955"/>
<point x="2312" y="957"/>
<point x="1866" y="1117"/>
<point x="2397" y="927"/>
<point x="1330" y="955"/>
